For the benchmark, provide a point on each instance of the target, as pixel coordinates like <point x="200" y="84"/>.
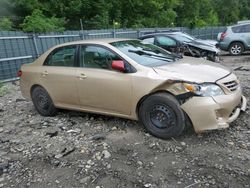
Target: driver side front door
<point x="100" y="88"/>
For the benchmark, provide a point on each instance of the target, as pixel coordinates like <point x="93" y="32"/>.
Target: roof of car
<point x="156" y="34"/>
<point x="95" y="41"/>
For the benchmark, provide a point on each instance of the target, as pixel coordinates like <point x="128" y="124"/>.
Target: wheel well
<point x="188" y="121"/>
<point x="33" y="87"/>
<point x="237" y="42"/>
<point x="148" y="95"/>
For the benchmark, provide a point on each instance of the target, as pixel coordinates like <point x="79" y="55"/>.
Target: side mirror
<point x="118" y="65"/>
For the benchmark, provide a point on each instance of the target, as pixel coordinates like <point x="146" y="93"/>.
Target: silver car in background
<point x="236" y="38"/>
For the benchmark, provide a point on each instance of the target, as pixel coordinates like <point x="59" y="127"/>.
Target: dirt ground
<point x="77" y="149"/>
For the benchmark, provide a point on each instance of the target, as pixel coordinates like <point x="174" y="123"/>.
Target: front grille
<point x="232" y="85"/>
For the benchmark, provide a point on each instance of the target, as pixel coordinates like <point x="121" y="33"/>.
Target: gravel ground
<point x="77" y="149"/>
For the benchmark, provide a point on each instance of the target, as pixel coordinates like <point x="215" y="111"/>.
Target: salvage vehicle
<point x="181" y="43"/>
<point x="235" y="38"/>
<point x="130" y="79"/>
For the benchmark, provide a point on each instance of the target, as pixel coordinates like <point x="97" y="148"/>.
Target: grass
<point x="3" y="90"/>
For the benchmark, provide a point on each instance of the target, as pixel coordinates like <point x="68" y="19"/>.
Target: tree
<point x="100" y="14"/>
<point x="38" y="22"/>
<point x="5" y="24"/>
<point x="228" y="11"/>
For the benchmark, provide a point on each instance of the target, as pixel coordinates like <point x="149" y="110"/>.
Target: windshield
<point x="144" y="54"/>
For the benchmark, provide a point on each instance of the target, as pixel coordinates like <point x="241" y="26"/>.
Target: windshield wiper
<point x="140" y="52"/>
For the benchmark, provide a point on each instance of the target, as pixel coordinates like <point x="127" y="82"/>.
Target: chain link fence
<point x="17" y="48"/>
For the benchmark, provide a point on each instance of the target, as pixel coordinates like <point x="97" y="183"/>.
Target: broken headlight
<point x="205" y="90"/>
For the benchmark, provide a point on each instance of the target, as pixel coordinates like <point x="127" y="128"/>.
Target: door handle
<point x="82" y="76"/>
<point x="45" y="73"/>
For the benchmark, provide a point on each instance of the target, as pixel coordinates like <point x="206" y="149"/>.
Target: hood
<point x="204" y="45"/>
<point x="208" y="42"/>
<point x="192" y="69"/>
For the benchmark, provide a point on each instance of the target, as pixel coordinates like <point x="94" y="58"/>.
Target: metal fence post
<point x="114" y="33"/>
<point x="138" y="33"/>
<point x="35" y="45"/>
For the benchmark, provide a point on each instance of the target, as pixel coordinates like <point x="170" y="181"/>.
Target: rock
<point x="106" y="154"/>
<point x="3" y="167"/>
<point x="20" y="100"/>
<point x="88" y="166"/>
<point x="148" y="185"/>
<point x="78" y="131"/>
<point x="139" y="163"/>
<point x="183" y="143"/>
<point x="52" y="133"/>
<point x="98" y="156"/>
<point x="98" y="137"/>
<point x="90" y="162"/>
<point x="1" y="179"/>
<point x="230" y="143"/>
<point x="85" y="180"/>
<point x="1" y="185"/>
<point x="114" y="128"/>
<point x="151" y="145"/>
<point x="128" y="163"/>
<point x="1" y="130"/>
<point x="45" y="123"/>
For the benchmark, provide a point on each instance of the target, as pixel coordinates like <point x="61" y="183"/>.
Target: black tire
<point x="42" y="102"/>
<point x="236" y="48"/>
<point x="162" y="116"/>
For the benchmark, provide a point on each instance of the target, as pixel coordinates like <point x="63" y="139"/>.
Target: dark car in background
<point x="236" y="38"/>
<point x="182" y="43"/>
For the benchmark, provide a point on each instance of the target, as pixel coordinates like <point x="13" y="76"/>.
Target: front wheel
<point x="42" y="102"/>
<point x="236" y="48"/>
<point x="162" y="116"/>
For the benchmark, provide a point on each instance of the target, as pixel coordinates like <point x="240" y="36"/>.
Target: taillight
<point x="223" y="35"/>
<point x="19" y="73"/>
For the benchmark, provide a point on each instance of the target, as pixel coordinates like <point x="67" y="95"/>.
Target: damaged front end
<point x="197" y="51"/>
<point x="209" y="105"/>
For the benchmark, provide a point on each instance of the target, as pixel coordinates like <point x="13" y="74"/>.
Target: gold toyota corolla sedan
<point x="135" y="80"/>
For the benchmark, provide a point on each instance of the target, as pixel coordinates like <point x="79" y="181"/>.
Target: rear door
<point x="247" y="34"/>
<point x="58" y="75"/>
<point x="99" y="87"/>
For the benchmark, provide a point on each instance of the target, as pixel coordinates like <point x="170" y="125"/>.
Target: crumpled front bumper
<point x="208" y="113"/>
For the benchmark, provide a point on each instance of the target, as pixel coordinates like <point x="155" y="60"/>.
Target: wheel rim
<point x="236" y="49"/>
<point x="162" y="117"/>
<point x="42" y="101"/>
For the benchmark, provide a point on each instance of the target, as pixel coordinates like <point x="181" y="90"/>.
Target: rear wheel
<point x="236" y="48"/>
<point x="42" y="102"/>
<point x="162" y="116"/>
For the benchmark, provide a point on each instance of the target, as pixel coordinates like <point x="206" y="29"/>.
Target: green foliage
<point x="38" y="22"/>
<point x="49" y="15"/>
<point x="5" y="24"/>
<point x="3" y="90"/>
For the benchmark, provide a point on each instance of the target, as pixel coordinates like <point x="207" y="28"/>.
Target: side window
<point x="64" y="57"/>
<point x="247" y="28"/>
<point x="165" y="41"/>
<point x="149" y="40"/>
<point x="237" y="29"/>
<point x="97" y="57"/>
